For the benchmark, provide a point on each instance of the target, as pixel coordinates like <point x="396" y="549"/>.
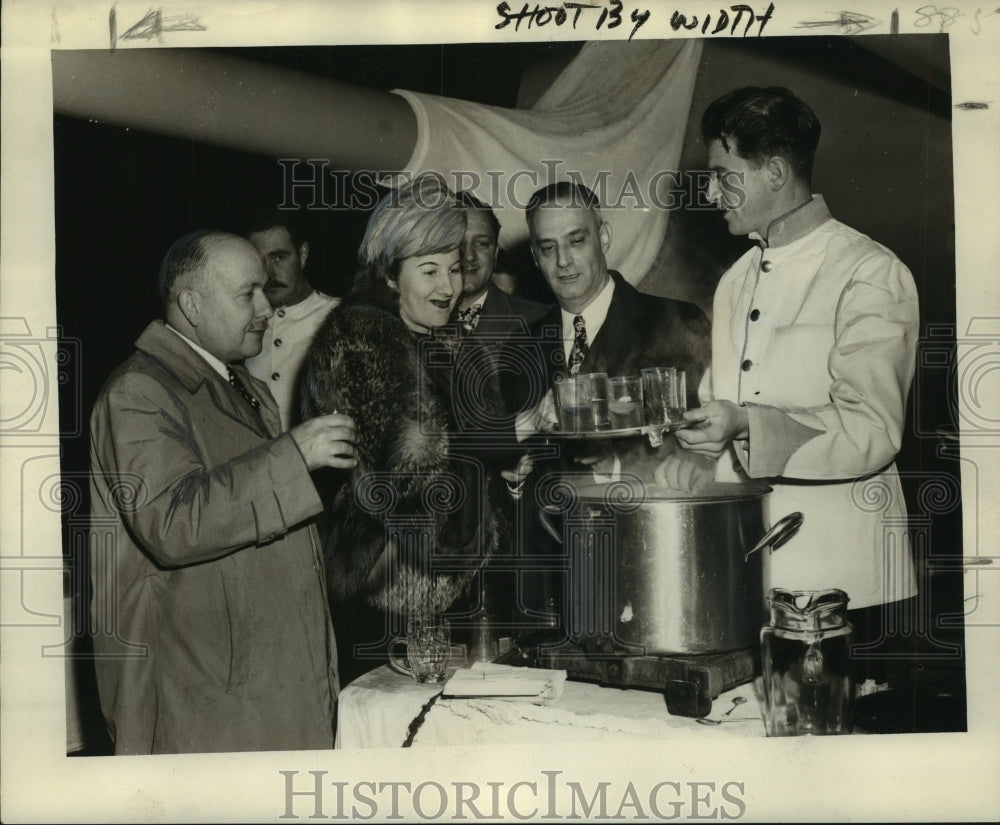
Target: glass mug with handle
<point x="428" y="647"/>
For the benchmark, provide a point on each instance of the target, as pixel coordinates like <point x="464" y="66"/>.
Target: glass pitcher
<point x="805" y="658"/>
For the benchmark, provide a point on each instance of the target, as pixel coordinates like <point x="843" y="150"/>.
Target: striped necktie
<point x="241" y="388"/>
<point x="580" y="347"/>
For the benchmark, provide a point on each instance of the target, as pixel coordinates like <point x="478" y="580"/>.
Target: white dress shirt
<point x="593" y="318"/>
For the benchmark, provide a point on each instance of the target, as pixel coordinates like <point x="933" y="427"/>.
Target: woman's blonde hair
<point x="423" y="218"/>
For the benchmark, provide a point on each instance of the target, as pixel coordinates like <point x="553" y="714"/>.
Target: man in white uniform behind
<point x="813" y="345"/>
<point x="298" y="309"/>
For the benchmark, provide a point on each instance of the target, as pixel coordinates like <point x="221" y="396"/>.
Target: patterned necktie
<point x="241" y="388"/>
<point x="469" y="317"/>
<point x="579" y="351"/>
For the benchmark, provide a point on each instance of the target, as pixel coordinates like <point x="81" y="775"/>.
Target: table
<point x="377" y="709"/>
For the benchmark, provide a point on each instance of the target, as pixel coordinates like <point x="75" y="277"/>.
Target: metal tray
<point x="654" y="432"/>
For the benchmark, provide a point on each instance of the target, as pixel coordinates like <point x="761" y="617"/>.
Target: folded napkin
<point x="487" y="680"/>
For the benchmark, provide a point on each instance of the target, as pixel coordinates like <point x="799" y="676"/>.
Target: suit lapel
<point x="619" y="336"/>
<point x="488" y="325"/>
<point x="550" y="341"/>
<point x="494" y="320"/>
<point x="493" y="303"/>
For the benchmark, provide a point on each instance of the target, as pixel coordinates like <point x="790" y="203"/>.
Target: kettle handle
<point x="543" y="518"/>
<point x="781" y="532"/>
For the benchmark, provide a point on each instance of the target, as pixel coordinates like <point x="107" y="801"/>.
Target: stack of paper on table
<point x="487" y="680"/>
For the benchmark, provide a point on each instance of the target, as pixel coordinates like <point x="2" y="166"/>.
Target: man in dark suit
<point x="601" y="322"/>
<point x="484" y="309"/>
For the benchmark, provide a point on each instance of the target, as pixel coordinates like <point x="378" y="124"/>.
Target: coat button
<point x="277" y="342"/>
<point x="281" y="313"/>
<point x="755" y="315"/>
<point x="746" y="365"/>
<point x="275" y="376"/>
<point x="767" y="266"/>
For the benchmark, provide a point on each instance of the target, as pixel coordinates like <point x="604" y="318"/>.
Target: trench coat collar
<point x="194" y="373"/>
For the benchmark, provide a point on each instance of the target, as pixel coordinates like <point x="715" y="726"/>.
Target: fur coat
<point x="419" y="514"/>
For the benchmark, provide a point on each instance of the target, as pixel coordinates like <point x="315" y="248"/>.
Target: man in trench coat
<point x="212" y="629"/>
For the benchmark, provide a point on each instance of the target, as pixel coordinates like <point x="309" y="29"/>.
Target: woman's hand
<point x="722" y="421"/>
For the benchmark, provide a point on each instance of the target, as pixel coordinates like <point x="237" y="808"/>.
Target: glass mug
<point x="582" y="403"/>
<point x="654" y="396"/>
<point x="625" y="401"/>
<point x="428" y="647"/>
<point x="664" y="395"/>
<point x="678" y="396"/>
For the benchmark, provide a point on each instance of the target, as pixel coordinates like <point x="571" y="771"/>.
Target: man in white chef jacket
<point x="298" y="309"/>
<point x="813" y="343"/>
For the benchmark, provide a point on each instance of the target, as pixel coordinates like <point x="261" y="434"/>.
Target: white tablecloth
<point x="376" y="710"/>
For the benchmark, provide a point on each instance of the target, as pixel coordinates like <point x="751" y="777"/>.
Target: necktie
<point x="469" y="317"/>
<point x="579" y="351"/>
<point x="241" y="388"/>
